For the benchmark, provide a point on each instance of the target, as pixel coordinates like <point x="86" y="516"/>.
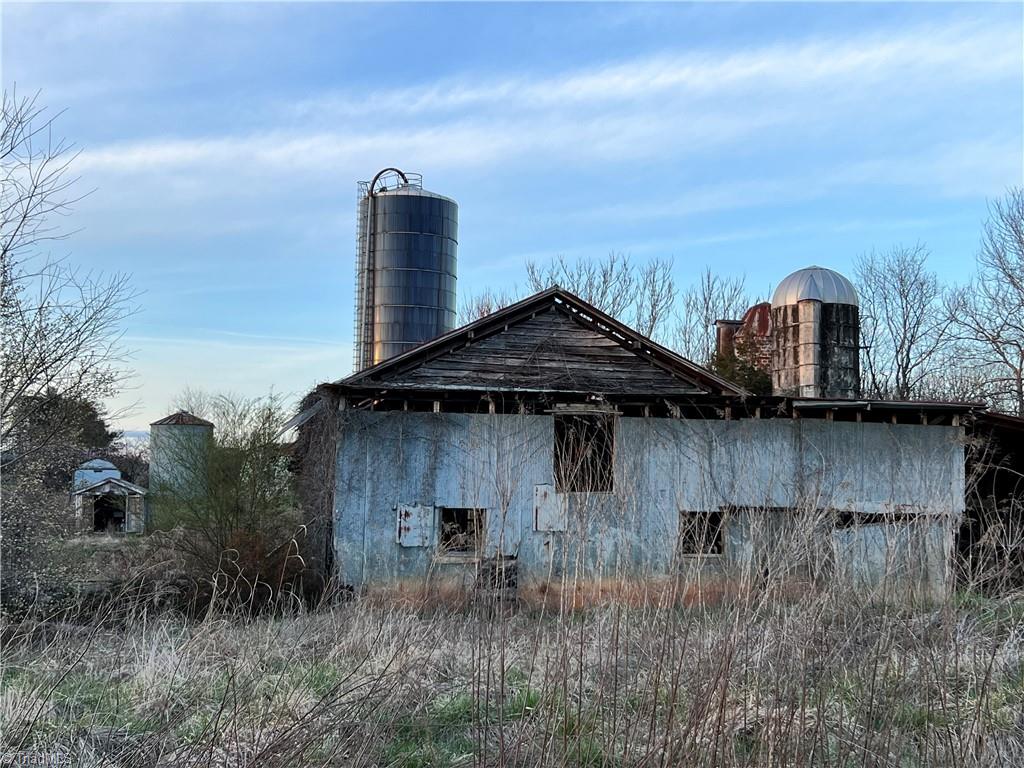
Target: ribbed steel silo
<point x="405" y="266"/>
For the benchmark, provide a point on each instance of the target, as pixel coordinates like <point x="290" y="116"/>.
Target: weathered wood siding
<point x="549" y="351"/>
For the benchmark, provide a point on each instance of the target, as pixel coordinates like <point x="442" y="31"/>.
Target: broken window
<point x="461" y="530"/>
<point x="584" y="453"/>
<point x="700" y="533"/>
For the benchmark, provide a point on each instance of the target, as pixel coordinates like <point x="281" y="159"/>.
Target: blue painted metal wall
<point x="662" y="466"/>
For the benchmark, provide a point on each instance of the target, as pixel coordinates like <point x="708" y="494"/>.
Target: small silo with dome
<point x="815" y="315"/>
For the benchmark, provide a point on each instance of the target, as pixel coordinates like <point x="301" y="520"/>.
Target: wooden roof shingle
<point x="552" y="341"/>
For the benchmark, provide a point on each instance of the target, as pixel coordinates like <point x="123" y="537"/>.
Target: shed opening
<point x="585" y="453"/>
<point x="108" y="514"/>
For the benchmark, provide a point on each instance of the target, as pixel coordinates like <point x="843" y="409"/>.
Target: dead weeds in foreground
<point x="758" y="680"/>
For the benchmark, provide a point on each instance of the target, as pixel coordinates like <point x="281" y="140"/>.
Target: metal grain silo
<point x="405" y="266"/>
<point x="179" y="446"/>
<point x="816" y="325"/>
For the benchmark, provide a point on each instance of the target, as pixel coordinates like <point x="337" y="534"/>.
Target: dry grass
<point x="768" y="679"/>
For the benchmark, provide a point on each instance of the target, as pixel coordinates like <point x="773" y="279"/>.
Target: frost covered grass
<point x="816" y="680"/>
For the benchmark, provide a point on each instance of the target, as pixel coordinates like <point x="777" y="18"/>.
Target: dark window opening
<point x="584" y="453"/>
<point x="700" y="533"/>
<point x="850" y="519"/>
<point x="461" y="530"/>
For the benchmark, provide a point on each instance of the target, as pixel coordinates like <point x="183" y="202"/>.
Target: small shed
<point x="110" y="505"/>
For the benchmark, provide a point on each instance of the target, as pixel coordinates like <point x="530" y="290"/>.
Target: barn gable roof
<point x="552" y="341"/>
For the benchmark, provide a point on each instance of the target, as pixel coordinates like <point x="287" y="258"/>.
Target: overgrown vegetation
<point x="822" y="679"/>
<point x="229" y="495"/>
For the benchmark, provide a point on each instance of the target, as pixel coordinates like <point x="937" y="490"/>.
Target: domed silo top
<point x="97" y="464"/>
<point x="815" y="284"/>
<point x="93" y="471"/>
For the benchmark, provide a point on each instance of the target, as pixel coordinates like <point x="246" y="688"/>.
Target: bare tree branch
<point x="987" y="316"/>
<point x="904" y="326"/>
<point x="712" y="298"/>
<point x="61" y="327"/>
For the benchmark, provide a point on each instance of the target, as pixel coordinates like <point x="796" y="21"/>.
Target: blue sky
<point x="223" y="143"/>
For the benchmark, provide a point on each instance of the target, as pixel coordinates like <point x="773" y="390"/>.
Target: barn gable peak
<point x="552" y="341"/>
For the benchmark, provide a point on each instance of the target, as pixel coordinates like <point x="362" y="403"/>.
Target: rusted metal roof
<point x="758" y="319"/>
<point x="182" y="419"/>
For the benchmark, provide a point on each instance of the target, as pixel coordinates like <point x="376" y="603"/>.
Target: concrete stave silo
<point x="406" y="266"/>
<point x="816" y="328"/>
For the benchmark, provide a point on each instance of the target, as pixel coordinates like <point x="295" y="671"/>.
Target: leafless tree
<point x="952" y="381"/>
<point x="904" y="325"/>
<point x="987" y="316"/>
<point x="606" y="283"/>
<point x="482" y="304"/>
<point x="655" y="297"/>
<point x="60" y="326"/>
<point x="712" y="298"/>
<point x="639" y="294"/>
<point x="231" y="495"/>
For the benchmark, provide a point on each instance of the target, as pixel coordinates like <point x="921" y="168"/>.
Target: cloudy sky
<point x="223" y="143"/>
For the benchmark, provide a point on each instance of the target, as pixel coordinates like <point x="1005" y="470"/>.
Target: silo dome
<point x="93" y="471"/>
<point x="815" y="284"/>
<point x="97" y="464"/>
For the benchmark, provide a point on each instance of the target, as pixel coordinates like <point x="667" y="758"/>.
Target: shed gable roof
<point x="110" y="485"/>
<point x="552" y="341"/>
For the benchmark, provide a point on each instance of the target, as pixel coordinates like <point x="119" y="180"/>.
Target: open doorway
<point x="108" y="513"/>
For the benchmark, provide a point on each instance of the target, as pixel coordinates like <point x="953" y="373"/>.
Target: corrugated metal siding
<point x="662" y="466"/>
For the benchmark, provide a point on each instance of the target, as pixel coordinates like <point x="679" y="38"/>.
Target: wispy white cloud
<point x="970" y="167"/>
<point x="630" y="111"/>
<point x="962" y="51"/>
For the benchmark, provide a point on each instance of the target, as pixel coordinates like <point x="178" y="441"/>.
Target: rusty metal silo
<point x="816" y="327"/>
<point x="405" y="266"/>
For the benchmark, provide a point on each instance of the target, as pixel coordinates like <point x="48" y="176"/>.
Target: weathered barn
<point x="550" y="442"/>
